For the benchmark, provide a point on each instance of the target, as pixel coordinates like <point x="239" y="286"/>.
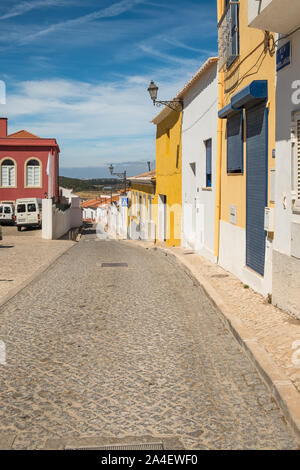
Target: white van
<point x="7" y="213"/>
<point x="28" y="213"/>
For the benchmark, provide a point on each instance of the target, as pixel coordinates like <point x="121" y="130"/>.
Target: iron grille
<point x="228" y="35"/>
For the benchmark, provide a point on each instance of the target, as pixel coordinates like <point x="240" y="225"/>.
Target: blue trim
<point x="226" y="111"/>
<point x="256" y="91"/>
<point x="237" y="169"/>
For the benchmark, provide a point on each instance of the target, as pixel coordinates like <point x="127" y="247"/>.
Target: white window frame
<point x="11" y="174"/>
<point x="36" y="171"/>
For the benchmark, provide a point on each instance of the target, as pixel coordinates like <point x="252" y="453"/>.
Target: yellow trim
<point x="16" y="173"/>
<point x="41" y="173"/>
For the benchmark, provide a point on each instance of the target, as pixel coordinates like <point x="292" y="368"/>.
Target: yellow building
<point x="142" y="208"/>
<point x="168" y="177"/>
<point x="246" y="143"/>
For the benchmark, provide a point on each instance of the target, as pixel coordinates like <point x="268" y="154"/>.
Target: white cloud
<point x="25" y="7"/>
<point x="110" y="12"/>
<point x="93" y="120"/>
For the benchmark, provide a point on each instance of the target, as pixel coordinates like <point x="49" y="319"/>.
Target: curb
<point x="280" y="386"/>
<point x="37" y="273"/>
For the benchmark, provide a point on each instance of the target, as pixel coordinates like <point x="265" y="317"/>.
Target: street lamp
<point x="119" y="175"/>
<point x="176" y="105"/>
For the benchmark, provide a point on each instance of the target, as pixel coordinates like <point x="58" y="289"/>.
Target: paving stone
<point x="147" y="355"/>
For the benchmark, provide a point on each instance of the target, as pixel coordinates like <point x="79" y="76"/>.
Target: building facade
<point x="283" y="17"/>
<point x="246" y="147"/>
<point x="143" y="201"/>
<point x="24" y="165"/>
<point x="199" y="150"/>
<point x="168" y="177"/>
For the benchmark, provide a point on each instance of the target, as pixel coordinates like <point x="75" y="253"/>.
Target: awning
<point x="255" y="92"/>
<point x="226" y="111"/>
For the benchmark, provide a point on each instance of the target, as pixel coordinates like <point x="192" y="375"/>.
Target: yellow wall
<point x="168" y="173"/>
<point x="256" y="61"/>
<point x="141" y="190"/>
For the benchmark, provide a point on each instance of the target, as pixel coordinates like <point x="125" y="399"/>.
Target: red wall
<point x="20" y="154"/>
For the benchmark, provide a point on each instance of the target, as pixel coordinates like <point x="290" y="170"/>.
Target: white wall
<point x="56" y="223"/>
<point x="200" y="120"/>
<point x="286" y="256"/>
<point x="281" y="16"/>
<point x="234" y="259"/>
<point x="283" y="189"/>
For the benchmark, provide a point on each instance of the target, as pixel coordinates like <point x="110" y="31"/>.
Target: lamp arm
<point x="175" y="105"/>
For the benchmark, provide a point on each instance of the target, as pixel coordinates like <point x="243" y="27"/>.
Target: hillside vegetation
<point x="88" y="185"/>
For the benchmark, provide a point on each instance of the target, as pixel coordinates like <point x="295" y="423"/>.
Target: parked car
<point x="28" y="213"/>
<point x="7" y="213"/>
<point x="1" y="236"/>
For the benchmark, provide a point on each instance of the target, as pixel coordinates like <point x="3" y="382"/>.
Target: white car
<point x="7" y="213"/>
<point x="1" y="236"/>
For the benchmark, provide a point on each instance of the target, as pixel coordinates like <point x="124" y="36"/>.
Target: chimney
<point x="3" y="127"/>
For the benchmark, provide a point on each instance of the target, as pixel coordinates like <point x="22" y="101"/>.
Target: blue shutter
<point x="208" y="145"/>
<point x="235" y="143"/>
<point x="256" y="176"/>
<point x="235" y="30"/>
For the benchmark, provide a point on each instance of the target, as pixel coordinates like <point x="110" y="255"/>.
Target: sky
<point x="79" y="71"/>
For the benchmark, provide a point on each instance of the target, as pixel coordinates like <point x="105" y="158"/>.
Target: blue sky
<point x="79" y="71"/>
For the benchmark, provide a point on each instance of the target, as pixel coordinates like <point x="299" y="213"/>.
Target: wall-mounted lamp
<point x="176" y="105"/>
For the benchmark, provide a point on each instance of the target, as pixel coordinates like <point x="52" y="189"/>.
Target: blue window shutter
<point x="235" y="143"/>
<point x="208" y="145"/>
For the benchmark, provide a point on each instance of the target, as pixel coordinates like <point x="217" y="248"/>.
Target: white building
<point x="283" y="18"/>
<point x="199" y="149"/>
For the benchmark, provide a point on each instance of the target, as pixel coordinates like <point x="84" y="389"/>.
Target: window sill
<point x="205" y="188"/>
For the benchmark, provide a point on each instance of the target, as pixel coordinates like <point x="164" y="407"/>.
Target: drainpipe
<point x="219" y="153"/>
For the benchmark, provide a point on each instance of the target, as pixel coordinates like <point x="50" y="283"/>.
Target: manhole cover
<point x="152" y="446"/>
<point x="111" y="444"/>
<point x="114" y="265"/>
<point x="219" y="276"/>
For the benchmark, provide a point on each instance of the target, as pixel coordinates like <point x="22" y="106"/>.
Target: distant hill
<point x="88" y="184"/>
<point x="132" y="168"/>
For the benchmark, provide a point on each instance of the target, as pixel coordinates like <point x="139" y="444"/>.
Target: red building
<point x="24" y="165"/>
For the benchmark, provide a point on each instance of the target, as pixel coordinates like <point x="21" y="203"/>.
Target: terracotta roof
<point x="23" y="135"/>
<point x="94" y="203"/>
<point x="166" y="111"/>
<point x="148" y="175"/>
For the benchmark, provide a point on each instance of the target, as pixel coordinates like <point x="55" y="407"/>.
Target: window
<point x="8" y="174"/>
<point x="208" y="148"/>
<point x="168" y="142"/>
<point x="149" y="208"/>
<point x="21" y="208"/>
<point x="235" y="145"/>
<point x="31" y="208"/>
<point x="33" y="173"/>
<point x="7" y="210"/>
<point x="228" y="32"/>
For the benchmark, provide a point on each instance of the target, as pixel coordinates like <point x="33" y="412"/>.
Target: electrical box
<point x="232" y="215"/>
<point x="269" y="219"/>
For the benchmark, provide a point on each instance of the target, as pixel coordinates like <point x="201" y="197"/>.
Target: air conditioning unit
<point x="269" y="219"/>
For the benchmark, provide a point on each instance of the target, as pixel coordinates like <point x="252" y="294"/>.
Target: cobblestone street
<point x="127" y="351"/>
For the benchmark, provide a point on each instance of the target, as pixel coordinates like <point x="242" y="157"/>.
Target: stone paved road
<point x="135" y="351"/>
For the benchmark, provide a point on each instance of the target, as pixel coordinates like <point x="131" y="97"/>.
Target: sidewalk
<point x="270" y="336"/>
<point x="25" y="257"/>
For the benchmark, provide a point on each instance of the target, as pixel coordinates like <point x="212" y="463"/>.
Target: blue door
<point x="256" y="186"/>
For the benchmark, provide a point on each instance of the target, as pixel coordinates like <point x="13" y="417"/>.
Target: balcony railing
<point x="228" y="35"/>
